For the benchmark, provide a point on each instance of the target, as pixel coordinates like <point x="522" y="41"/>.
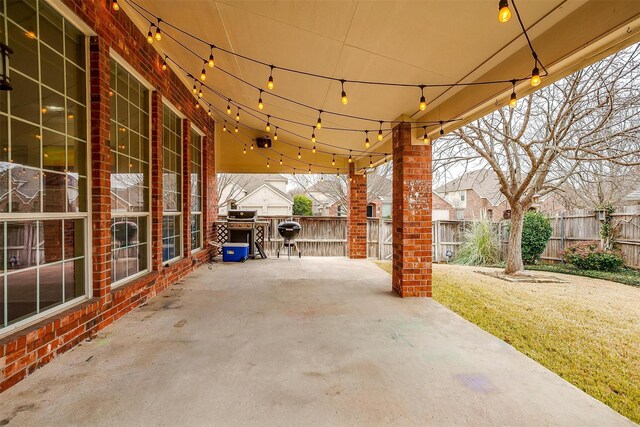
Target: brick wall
<point x="441" y="204"/>
<point x="357" y="215"/>
<point x="412" y="232"/>
<point x="28" y="349"/>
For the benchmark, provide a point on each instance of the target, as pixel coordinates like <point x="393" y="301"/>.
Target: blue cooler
<point x="235" y="252"/>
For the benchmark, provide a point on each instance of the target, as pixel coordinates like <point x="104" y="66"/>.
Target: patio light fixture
<point x="114" y="5"/>
<point x="158" y="35"/>
<point x="150" y="34"/>
<point x="535" y="75"/>
<point x="345" y="100"/>
<point x="270" y="81"/>
<point x="513" y="101"/>
<point x="268" y="126"/>
<point x="333" y="160"/>
<point x="203" y="74"/>
<point x="211" y="61"/>
<point x="275" y="135"/>
<point x="229" y="107"/>
<point x="319" y="122"/>
<point x="380" y="132"/>
<point x="260" y="104"/>
<point x="504" y="14"/>
<point x="423" y="100"/>
<point x="366" y="140"/>
<point x="313" y="150"/>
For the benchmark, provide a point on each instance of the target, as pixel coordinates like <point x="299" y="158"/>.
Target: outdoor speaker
<point x="263" y="142"/>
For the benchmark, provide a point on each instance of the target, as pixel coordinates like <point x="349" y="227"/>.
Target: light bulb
<point x="333" y="160"/>
<point x="504" y="14"/>
<point x="164" y="65"/>
<point x="513" y="101"/>
<point x="244" y="150"/>
<point x="200" y="94"/>
<point x="209" y="112"/>
<point x="535" y="77"/>
<point x="150" y="36"/>
<point x="313" y="138"/>
<point x="260" y="104"/>
<point x="366" y="141"/>
<point x="370" y="162"/>
<point x="275" y="135"/>
<point x="158" y="34"/>
<point x="380" y="135"/>
<point x="423" y="103"/>
<point x="267" y="165"/>
<point x="238" y="116"/>
<point x="313" y="150"/>
<point x="224" y="128"/>
<point x="203" y="74"/>
<point x="270" y="83"/>
<point x="211" y="61"/>
<point x="236" y="129"/>
<point x="350" y="159"/>
<point x="114" y="5"/>
<point x="268" y="127"/>
<point x="195" y="89"/>
<point x="345" y="100"/>
<point x="251" y="146"/>
<point x="229" y="108"/>
<point x="280" y="160"/>
<point x="299" y="154"/>
<point x="319" y="122"/>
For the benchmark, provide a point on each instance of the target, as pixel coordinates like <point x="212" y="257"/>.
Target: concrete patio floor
<point x="311" y="341"/>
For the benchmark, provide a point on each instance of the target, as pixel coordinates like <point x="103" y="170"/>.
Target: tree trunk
<point x="514" y="250"/>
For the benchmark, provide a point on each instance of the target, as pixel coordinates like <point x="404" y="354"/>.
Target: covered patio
<point x="280" y="342"/>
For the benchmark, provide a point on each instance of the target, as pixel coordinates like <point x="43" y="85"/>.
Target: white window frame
<point x="180" y="212"/>
<point x="201" y="138"/>
<point x="150" y="88"/>
<point x="71" y="18"/>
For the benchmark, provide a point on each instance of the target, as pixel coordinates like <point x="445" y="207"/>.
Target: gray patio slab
<point x="311" y="341"/>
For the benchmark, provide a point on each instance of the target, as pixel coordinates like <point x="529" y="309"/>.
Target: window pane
<point x="25" y="144"/>
<point x="53" y="110"/>
<point x="53" y="151"/>
<point x="25" y="48"/>
<point x="23" y="13"/>
<point x="76" y="193"/>
<point x="73" y="238"/>
<point x="25" y="189"/>
<point x="52" y="68"/>
<point x="74" y="45"/>
<point x="21" y="245"/>
<point x="74" y="279"/>
<point x="171" y="240"/>
<point x="77" y="156"/>
<point x="50" y="285"/>
<point x="51" y="240"/>
<point x="21" y="294"/>
<point x="54" y="192"/>
<point x="25" y="98"/>
<point x="76" y="120"/>
<point x="50" y="27"/>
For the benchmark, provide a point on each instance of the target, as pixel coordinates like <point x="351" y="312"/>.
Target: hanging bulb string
<point x="534" y="54"/>
<point x="141" y="10"/>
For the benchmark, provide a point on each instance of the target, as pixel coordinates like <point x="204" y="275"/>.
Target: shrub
<point x="536" y="232"/>
<point x="302" y="205"/>
<point x="481" y="245"/>
<point x="589" y="256"/>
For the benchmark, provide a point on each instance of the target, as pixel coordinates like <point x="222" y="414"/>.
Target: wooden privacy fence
<point x="327" y="236"/>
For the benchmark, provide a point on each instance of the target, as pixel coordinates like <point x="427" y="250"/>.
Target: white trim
<point x="121" y="282"/>
<point x="124" y="64"/>
<point x="199" y="132"/>
<point x="175" y="111"/>
<point x="67" y="14"/>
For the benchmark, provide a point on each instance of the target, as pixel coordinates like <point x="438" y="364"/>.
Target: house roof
<point x="251" y="182"/>
<point x="282" y="194"/>
<point x="483" y="181"/>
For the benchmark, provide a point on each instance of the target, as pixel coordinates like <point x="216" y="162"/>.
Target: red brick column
<point x="99" y="78"/>
<point x="357" y="215"/>
<point x="186" y="187"/>
<point x="156" y="181"/>
<point x="209" y="192"/>
<point x="412" y="233"/>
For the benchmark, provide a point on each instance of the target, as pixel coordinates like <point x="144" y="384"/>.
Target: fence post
<point x="562" y="231"/>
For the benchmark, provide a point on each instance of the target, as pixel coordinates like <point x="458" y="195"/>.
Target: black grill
<point x="289" y="230"/>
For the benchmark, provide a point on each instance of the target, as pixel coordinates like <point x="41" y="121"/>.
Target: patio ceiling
<point x="440" y="41"/>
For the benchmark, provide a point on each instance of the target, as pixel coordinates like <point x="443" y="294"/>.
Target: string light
<point x="197" y="104"/>
<point x="270" y="85"/>
<point x="319" y="122"/>
<point x="209" y="112"/>
<point x="313" y="136"/>
<point x="268" y="126"/>
<point x="423" y="100"/>
<point x="380" y="132"/>
<point x="275" y="135"/>
<point x="224" y="127"/>
<point x="299" y="154"/>
<point x="309" y="168"/>
<point x="200" y="94"/>
<point x="425" y="138"/>
<point x="236" y="129"/>
<point x="535" y="75"/>
<point x="244" y="150"/>
<point x="211" y="61"/>
<point x="280" y="159"/>
<point x="322" y="176"/>
<point x="238" y="115"/>
<point x="313" y="150"/>
<point x="203" y="74"/>
<point x="333" y="160"/>
<point x="267" y="164"/>
<point x="350" y="159"/>
<point x="441" y="130"/>
<point x="266" y="143"/>
<point x="158" y="32"/>
<point x="366" y="140"/>
<point x="164" y="64"/>
<point x="504" y="14"/>
<point x="260" y="104"/>
<point x="370" y="162"/>
<point x="338" y="172"/>
<point x="114" y="5"/>
<point x="251" y="148"/>
<point x="229" y="107"/>
<point x="150" y="35"/>
<point x="195" y="88"/>
<point x="385" y="158"/>
<point x="513" y="101"/>
<point x="345" y="100"/>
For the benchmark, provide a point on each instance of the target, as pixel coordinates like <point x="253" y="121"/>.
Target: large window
<point x="43" y="168"/>
<point x="171" y="185"/>
<point x="195" y="145"/>
<point x="129" y="174"/>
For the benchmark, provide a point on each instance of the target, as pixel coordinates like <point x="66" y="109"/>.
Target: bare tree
<point x="230" y="187"/>
<point x="537" y="147"/>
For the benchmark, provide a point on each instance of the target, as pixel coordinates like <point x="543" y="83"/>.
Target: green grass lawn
<point x="587" y="331"/>
<point x="627" y="276"/>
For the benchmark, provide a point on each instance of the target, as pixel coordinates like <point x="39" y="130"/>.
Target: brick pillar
<point x="209" y="192"/>
<point x="100" y="186"/>
<point x="156" y="181"/>
<point x="357" y="215"/>
<point x="412" y="233"/>
<point x="186" y="188"/>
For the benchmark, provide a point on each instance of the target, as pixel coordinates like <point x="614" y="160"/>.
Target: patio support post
<point x="209" y="193"/>
<point x="357" y="214"/>
<point x="100" y="78"/>
<point x="412" y="227"/>
<point x="156" y="181"/>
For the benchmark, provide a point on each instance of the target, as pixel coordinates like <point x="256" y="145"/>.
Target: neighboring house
<point x="474" y="193"/>
<point x="632" y="198"/>
<point x="328" y="197"/>
<point x="443" y="210"/>
<point x="266" y="194"/>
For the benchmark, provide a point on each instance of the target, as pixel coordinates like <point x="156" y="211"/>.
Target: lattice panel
<point x="261" y="233"/>
<point x="222" y="236"/>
